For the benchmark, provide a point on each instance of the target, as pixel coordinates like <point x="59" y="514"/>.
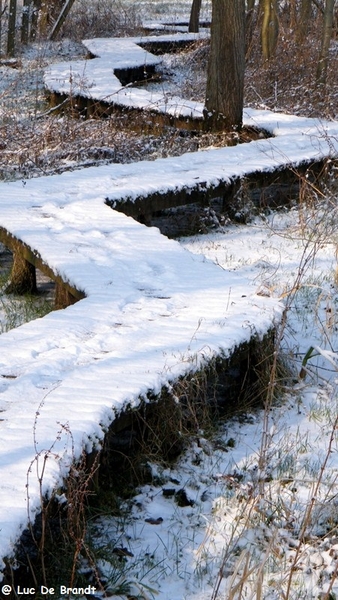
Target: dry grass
<point x="288" y="82"/>
<point x="102" y="18"/>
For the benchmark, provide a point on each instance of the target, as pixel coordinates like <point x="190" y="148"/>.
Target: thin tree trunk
<point x="35" y="19"/>
<point x="304" y="20"/>
<point x="270" y="27"/>
<point x="43" y="19"/>
<point x="62" y="17"/>
<point x="47" y="11"/>
<point x="225" y="81"/>
<point x="194" y="22"/>
<point x="25" y="21"/>
<point x="293" y="14"/>
<point x="11" y="28"/>
<point x="0" y="26"/>
<point x="250" y="23"/>
<point x="325" y="45"/>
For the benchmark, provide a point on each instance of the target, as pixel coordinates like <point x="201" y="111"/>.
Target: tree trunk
<point x="0" y="26"/>
<point x="225" y="81"/>
<point x="49" y="11"/>
<point x="44" y="18"/>
<point x="326" y="39"/>
<point x="270" y="28"/>
<point x="62" y="17"/>
<point x="304" y="20"/>
<point x="195" y="16"/>
<point x="293" y="14"/>
<point x="25" y="21"/>
<point x="35" y="19"/>
<point x="11" y="28"/>
<point x="251" y="18"/>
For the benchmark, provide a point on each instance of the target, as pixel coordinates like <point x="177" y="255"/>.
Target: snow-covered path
<point x="96" y="79"/>
<point x="152" y="312"/>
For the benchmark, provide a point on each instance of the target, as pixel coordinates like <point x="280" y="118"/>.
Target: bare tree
<point x="225" y="81"/>
<point x="325" y="45"/>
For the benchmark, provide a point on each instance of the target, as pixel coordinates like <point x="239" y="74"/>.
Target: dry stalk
<point x="78" y="490"/>
<point x="307" y="257"/>
<point x="308" y="512"/>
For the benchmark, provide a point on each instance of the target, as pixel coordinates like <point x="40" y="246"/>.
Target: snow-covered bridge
<point x="152" y="312"/>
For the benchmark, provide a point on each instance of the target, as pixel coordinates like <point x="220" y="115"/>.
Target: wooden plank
<point x="257" y="183"/>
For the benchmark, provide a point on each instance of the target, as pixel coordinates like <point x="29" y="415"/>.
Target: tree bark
<point x="0" y="25"/>
<point x="61" y="18"/>
<point x="194" y="21"/>
<point x="49" y="11"/>
<point x="251" y="18"/>
<point x="11" y="28"/>
<point x="225" y="81"/>
<point x="323" y="61"/>
<point x="304" y="20"/>
<point x="25" y="21"/>
<point x="270" y="27"/>
<point x="293" y="14"/>
<point x="35" y="19"/>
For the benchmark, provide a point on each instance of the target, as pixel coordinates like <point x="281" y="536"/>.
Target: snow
<point x="296" y="139"/>
<point x="153" y="311"/>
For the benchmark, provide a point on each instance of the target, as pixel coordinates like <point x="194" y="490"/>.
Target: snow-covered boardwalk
<point x="152" y="312"/>
<point x="95" y="79"/>
<point x="295" y="140"/>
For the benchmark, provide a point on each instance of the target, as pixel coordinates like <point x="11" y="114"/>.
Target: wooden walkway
<point x="102" y="83"/>
<point x="297" y="146"/>
<point x="151" y="313"/>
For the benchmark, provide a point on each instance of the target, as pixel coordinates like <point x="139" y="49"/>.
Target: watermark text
<point x="44" y="590"/>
